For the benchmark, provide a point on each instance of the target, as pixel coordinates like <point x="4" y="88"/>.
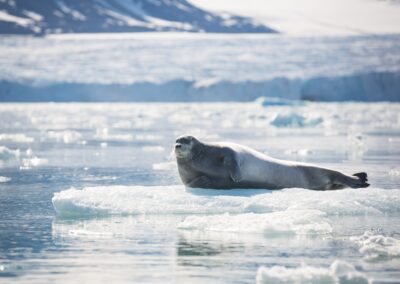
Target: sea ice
<point x="375" y="247"/>
<point x="339" y="272"/>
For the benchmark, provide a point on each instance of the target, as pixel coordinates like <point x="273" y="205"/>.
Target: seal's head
<point x="184" y="146"/>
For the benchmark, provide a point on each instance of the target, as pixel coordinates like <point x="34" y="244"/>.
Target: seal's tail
<point x="358" y="180"/>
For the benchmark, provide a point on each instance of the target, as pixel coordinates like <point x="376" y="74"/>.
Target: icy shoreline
<point x="366" y="87"/>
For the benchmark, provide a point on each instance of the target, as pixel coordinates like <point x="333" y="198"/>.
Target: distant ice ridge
<point x="225" y="68"/>
<point x="339" y="272"/>
<point x="175" y="199"/>
<point x="363" y="87"/>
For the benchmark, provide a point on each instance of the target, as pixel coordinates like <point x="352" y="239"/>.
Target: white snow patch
<point x="314" y="17"/>
<point x="339" y="272"/>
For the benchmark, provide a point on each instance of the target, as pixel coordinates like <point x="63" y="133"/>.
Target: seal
<point x="224" y="165"/>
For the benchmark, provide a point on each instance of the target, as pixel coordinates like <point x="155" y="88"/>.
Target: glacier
<point x="161" y="67"/>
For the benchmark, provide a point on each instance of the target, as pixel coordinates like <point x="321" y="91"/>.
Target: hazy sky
<point x="303" y="17"/>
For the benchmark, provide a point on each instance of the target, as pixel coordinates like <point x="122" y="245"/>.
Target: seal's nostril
<point x="178" y="145"/>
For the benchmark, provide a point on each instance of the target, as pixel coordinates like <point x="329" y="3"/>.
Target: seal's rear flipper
<point x="357" y="180"/>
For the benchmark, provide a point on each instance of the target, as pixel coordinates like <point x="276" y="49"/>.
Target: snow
<point x="315" y="17"/>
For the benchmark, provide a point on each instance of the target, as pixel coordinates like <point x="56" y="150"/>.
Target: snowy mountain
<point x="92" y="16"/>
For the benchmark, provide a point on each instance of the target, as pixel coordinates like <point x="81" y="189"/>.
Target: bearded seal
<point x="225" y="165"/>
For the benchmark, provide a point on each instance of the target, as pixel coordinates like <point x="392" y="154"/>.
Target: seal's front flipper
<point x="232" y="165"/>
<point x="200" y="182"/>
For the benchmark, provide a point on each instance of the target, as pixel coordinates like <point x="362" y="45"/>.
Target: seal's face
<point x="184" y="146"/>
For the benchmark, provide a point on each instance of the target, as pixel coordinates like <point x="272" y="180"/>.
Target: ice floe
<point x="175" y="199"/>
<point x="4" y="179"/>
<point x="7" y="154"/>
<point x="374" y="246"/>
<point x="33" y="162"/>
<point x="66" y="136"/>
<point x="339" y="272"/>
<point x="293" y="119"/>
<point x="16" y="137"/>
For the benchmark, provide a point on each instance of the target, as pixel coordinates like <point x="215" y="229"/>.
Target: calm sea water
<point x="90" y="193"/>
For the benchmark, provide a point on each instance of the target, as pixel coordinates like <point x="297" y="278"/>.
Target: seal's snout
<point x="178" y="145"/>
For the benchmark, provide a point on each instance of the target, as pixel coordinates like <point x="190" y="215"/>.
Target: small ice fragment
<point x="338" y="272"/>
<point x="16" y="137"/>
<point x="4" y="179"/>
<point x="164" y="166"/>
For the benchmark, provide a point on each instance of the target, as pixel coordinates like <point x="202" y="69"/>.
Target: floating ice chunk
<point x="377" y="246"/>
<point x="67" y="136"/>
<point x="33" y="162"/>
<point x="273" y="101"/>
<point x="340" y="272"/>
<point x="8" y="154"/>
<point x="4" y="179"/>
<point x="394" y="172"/>
<point x="167" y="166"/>
<point x="103" y="145"/>
<point x="16" y="137"/>
<point x="178" y="200"/>
<point x="293" y="119"/>
<point x="288" y="222"/>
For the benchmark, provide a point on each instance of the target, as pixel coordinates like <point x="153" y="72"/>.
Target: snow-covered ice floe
<point x="272" y="213"/>
<point x="339" y="272"/>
